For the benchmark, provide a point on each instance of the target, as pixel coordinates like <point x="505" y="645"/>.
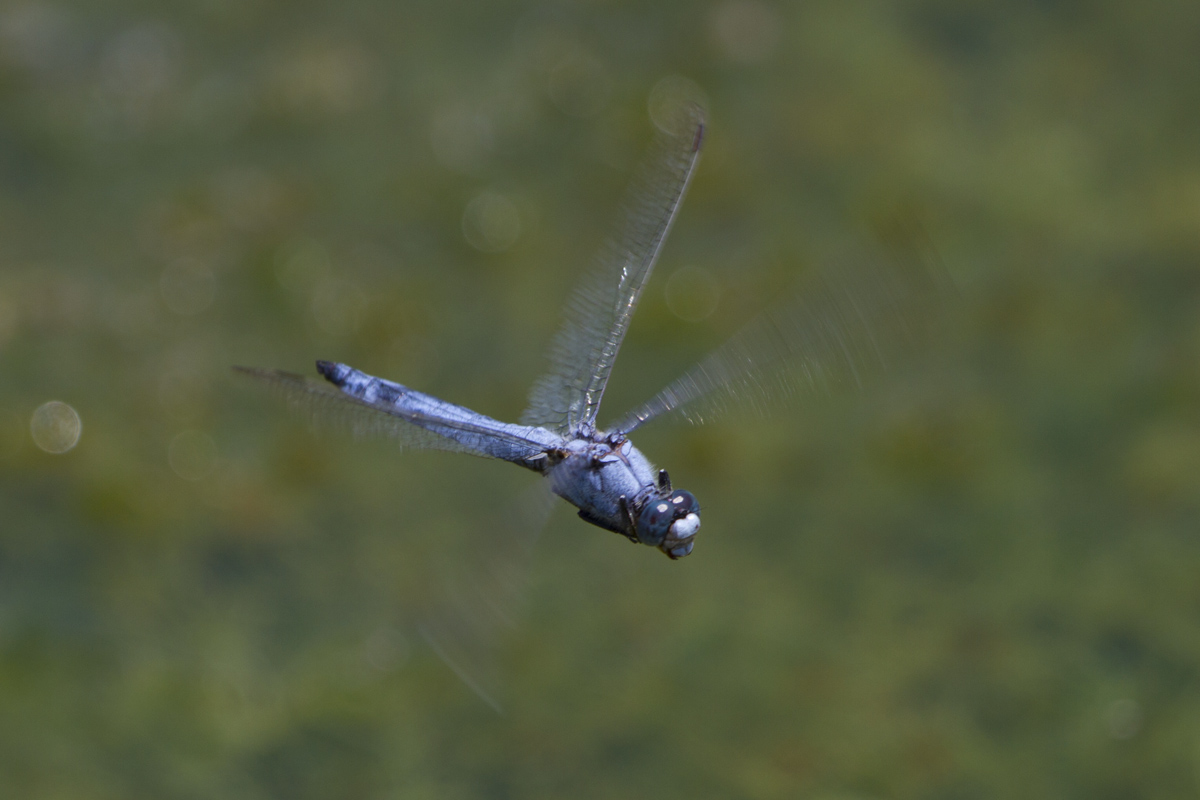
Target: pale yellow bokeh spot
<point x="55" y="427"/>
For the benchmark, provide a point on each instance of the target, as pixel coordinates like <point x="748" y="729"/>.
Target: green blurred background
<point x="977" y="579"/>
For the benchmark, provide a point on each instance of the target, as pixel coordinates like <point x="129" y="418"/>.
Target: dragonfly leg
<point x="664" y="481"/>
<point x="601" y="523"/>
<point x="627" y="516"/>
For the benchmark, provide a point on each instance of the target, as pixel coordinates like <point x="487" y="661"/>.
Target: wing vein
<point x="850" y="324"/>
<point x="567" y="399"/>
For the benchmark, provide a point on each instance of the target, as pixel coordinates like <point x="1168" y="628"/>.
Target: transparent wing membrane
<point x="482" y="596"/>
<point x="846" y="325"/>
<point x="598" y="314"/>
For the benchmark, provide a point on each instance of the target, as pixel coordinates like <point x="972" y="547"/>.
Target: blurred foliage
<point x="977" y="579"/>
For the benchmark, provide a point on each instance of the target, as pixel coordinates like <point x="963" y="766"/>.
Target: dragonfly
<point x="843" y="326"/>
<point x="838" y="329"/>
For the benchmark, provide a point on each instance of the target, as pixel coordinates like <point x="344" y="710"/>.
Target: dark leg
<point x="600" y="523"/>
<point x="627" y="515"/>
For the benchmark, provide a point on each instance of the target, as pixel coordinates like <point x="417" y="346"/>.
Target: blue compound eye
<point x="683" y="503"/>
<point x="654" y="521"/>
<point x="669" y="523"/>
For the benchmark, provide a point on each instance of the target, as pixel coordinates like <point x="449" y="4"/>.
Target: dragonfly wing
<point x="476" y="596"/>
<point x="598" y="314"/>
<point x="847" y="325"/>
<point x="417" y="429"/>
<point x="482" y="596"/>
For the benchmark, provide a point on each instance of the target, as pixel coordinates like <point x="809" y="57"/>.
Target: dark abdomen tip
<point x="330" y="372"/>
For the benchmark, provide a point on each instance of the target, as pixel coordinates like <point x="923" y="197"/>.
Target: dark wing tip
<point x="251" y="372"/>
<point x="269" y="375"/>
<point x="694" y="116"/>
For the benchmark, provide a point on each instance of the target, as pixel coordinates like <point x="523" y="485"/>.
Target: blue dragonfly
<point x="838" y="329"/>
<point x="844" y="326"/>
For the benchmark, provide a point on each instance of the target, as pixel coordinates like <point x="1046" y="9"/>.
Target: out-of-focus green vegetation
<point x="978" y="579"/>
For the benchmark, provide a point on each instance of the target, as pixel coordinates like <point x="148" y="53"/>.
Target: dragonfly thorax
<point x="615" y="487"/>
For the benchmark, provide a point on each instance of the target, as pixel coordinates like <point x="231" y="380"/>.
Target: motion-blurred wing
<point x="326" y="405"/>
<point x="567" y="398"/>
<point x="482" y="595"/>
<point x="477" y="594"/>
<point x="839" y="330"/>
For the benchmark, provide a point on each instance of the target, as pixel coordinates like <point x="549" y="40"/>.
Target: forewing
<point x="848" y="324"/>
<point x="598" y="314"/>
<point x="324" y="405"/>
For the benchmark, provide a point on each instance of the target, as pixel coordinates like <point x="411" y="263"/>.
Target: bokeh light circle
<point x="461" y="137"/>
<point x="579" y="86"/>
<point x="302" y="265"/>
<point x="188" y="286"/>
<point x="192" y="455"/>
<point x="745" y="31"/>
<point x="55" y="427"/>
<point x="491" y="222"/>
<point x="1125" y="717"/>
<point x="692" y="293"/>
<point x="8" y="318"/>
<point x="339" y="308"/>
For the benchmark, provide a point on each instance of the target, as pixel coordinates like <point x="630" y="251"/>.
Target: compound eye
<point x="654" y="521"/>
<point x="683" y="503"/>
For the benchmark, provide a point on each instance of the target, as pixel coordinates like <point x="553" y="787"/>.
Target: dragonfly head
<point x="670" y="522"/>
